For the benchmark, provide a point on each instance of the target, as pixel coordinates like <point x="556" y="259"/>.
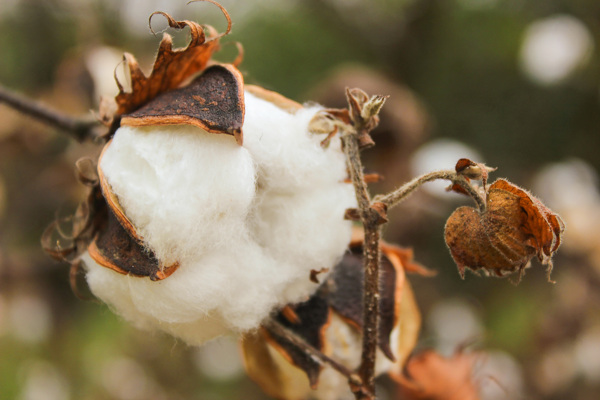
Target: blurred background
<point x="513" y="83"/>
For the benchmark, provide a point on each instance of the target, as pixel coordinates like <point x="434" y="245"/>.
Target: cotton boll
<point x="184" y="189"/>
<point x="246" y="223"/>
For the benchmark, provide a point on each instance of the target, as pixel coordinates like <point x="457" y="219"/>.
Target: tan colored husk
<point x="275" y="98"/>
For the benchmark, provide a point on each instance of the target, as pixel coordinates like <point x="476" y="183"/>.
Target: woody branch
<point x="78" y="128"/>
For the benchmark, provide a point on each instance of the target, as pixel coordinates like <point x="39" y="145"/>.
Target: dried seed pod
<point x="231" y="229"/>
<point x="331" y="321"/>
<point x="514" y="228"/>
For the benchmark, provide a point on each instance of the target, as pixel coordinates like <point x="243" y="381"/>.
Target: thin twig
<point x="79" y="129"/>
<point x="277" y="328"/>
<point x="371" y="257"/>
<point x="397" y="196"/>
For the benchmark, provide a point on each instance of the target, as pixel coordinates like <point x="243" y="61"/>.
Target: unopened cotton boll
<point x="246" y="223"/>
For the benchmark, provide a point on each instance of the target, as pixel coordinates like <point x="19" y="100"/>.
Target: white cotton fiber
<point x="246" y="223"/>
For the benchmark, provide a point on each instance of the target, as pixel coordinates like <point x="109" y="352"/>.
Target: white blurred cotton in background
<point x="454" y="323"/>
<point x="43" y="381"/>
<point x="554" y="47"/>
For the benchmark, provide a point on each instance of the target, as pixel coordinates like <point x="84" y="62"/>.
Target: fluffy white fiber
<point x="246" y="223"/>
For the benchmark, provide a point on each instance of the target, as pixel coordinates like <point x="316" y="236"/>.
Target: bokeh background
<point x="513" y="83"/>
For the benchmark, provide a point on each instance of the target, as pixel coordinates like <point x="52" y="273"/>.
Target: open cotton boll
<point x="246" y="223"/>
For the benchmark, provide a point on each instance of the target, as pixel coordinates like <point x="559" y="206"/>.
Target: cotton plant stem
<point x="369" y="219"/>
<point x="79" y="129"/>
<point x="397" y="196"/>
<point x="276" y="327"/>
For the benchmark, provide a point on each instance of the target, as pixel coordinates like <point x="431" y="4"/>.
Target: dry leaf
<point x="515" y="227"/>
<point x="429" y="376"/>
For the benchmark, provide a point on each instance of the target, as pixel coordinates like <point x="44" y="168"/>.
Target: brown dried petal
<point x="214" y="101"/>
<point x="545" y="226"/>
<point x="503" y="239"/>
<point x="409" y="325"/>
<point x="403" y="258"/>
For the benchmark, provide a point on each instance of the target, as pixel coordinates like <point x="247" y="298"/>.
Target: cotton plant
<point x="221" y="208"/>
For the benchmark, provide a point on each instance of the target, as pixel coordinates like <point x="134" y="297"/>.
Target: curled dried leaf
<point x="81" y="226"/>
<point x="86" y="171"/>
<point x="514" y="228"/>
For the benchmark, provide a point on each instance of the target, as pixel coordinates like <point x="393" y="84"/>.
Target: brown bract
<point x="185" y="87"/>
<point x="514" y="228"/>
<point x="171" y="67"/>
<point x="214" y="101"/>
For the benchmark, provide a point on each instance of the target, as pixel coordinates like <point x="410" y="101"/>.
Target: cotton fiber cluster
<point x="246" y="223"/>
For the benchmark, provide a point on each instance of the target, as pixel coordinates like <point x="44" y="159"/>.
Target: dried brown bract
<point x="361" y="115"/>
<point x="185" y="86"/>
<point x="502" y="239"/>
<point x="171" y="67"/>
